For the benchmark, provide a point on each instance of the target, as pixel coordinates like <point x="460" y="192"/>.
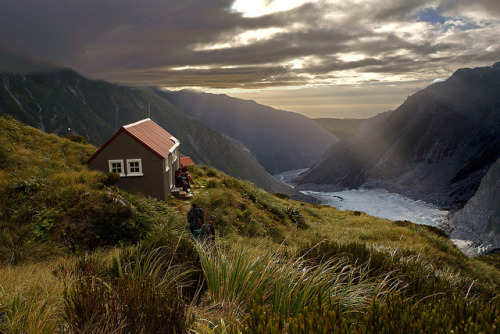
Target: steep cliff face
<point x="63" y="102"/>
<point x="479" y="220"/>
<point x="280" y="140"/>
<point x="436" y="146"/>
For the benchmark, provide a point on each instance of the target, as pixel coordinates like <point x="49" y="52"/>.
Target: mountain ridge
<point x="281" y="140"/>
<point x="436" y="146"/>
<point x="65" y="103"/>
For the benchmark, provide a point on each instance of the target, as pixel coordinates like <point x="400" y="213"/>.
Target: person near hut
<point x="180" y="182"/>
<point x="196" y="218"/>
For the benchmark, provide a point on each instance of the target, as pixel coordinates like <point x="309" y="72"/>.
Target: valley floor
<point x="384" y="204"/>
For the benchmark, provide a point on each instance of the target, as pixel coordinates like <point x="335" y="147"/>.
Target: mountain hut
<point x="144" y="154"/>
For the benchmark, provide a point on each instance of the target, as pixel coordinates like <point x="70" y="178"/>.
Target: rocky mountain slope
<point x="479" y="220"/>
<point x="437" y="146"/>
<point x="280" y="140"/>
<point x="63" y="102"/>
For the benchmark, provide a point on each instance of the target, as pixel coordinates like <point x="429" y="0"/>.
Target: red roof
<point x="149" y="134"/>
<point x="186" y="161"/>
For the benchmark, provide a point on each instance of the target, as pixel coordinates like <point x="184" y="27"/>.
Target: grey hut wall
<point x="155" y="181"/>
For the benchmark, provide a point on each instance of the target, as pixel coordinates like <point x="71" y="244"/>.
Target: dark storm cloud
<point x="20" y="64"/>
<point x="168" y="43"/>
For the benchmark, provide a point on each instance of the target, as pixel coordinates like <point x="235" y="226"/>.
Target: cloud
<point x="15" y="63"/>
<point x="212" y="44"/>
<point x="478" y="10"/>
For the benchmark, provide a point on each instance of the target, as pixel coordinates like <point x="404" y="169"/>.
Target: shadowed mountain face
<point x="436" y="146"/>
<point x="63" y="102"/>
<point x="279" y="139"/>
<point x="479" y="220"/>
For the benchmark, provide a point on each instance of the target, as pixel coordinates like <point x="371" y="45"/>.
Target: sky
<point x="321" y="58"/>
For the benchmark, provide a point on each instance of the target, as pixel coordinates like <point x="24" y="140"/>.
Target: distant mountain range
<point x="63" y="102"/>
<point x="280" y="140"/>
<point x="341" y="127"/>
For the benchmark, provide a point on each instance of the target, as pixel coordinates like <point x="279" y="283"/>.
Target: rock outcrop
<point x="479" y="220"/>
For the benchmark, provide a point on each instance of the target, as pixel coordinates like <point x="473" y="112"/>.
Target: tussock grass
<point x="31" y="297"/>
<point x="71" y="242"/>
<point x="286" y="285"/>
<point x="140" y="292"/>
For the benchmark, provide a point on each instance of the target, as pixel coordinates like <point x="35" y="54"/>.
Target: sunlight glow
<point x="256" y="8"/>
<point x="351" y="56"/>
<point x="241" y="39"/>
<point x="188" y="67"/>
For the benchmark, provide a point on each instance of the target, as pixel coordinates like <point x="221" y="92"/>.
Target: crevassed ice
<point x="383" y="204"/>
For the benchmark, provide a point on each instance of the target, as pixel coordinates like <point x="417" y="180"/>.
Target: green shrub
<point x="140" y="292"/>
<point x="178" y="251"/>
<point x="255" y="229"/>
<point x="127" y="306"/>
<point x="282" y="196"/>
<point x="196" y="170"/>
<point x="28" y="187"/>
<point x="45" y="222"/>
<point x="211" y="172"/>
<point x="251" y="195"/>
<point x="296" y="217"/>
<point x="224" y="225"/>
<point x="76" y="138"/>
<point x="110" y="179"/>
<point x="230" y="182"/>
<point x="212" y="184"/>
<point x="4" y="156"/>
<point x="99" y="219"/>
<point x="277" y="211"/>
<point x="491" y="259"/>
<point x="419" y="277"/>
<point x="394" y="315"/>
<point x="437" y="231"/>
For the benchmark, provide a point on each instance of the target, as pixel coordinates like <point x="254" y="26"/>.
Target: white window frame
<point x="129" y="172"/>
<point x="117" y="161"/>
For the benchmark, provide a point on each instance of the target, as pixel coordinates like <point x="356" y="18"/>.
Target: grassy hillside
<point x="80" y="255"/>
<point x="65" y="103"/>
<point x="341" y="127"/>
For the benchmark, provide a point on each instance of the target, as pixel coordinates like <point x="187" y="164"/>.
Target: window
<point x="134" y="167"/>
<point x="116" y="166"/>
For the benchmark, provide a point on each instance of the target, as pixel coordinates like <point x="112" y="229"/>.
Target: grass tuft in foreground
<point x="140" y="293"/>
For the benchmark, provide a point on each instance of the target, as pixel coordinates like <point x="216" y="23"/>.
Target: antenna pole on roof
<point x="149" y="109"/>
